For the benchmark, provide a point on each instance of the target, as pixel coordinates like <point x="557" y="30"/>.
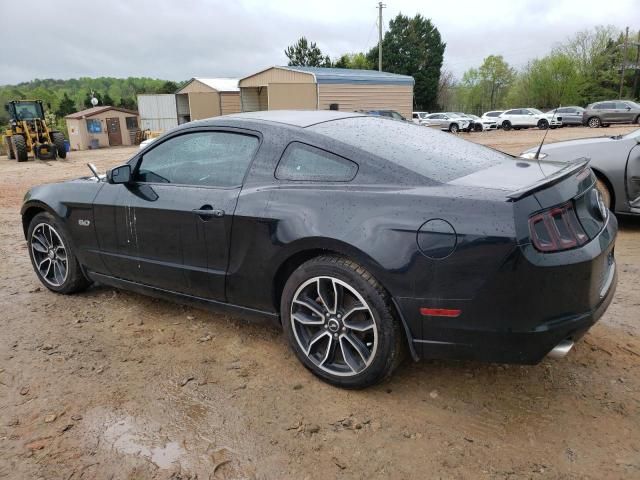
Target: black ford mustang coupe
<point x="362" y="236"/>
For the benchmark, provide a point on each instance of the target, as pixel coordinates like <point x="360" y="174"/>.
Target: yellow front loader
<point x="28" y="133"/>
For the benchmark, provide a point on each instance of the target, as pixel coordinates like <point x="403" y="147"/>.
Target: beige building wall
<point x="80" y="138"/>
<point x="276" y="75"/>
<point x="352" y="97"/>
<point x="204" y="105"/>
<point x="195" y="86"/>
<point x="293" y="96"/>
<point x="229" y="103"/>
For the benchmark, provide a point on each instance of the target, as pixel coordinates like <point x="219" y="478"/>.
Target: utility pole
<point x="380" y="7"/>
<point x="624" y="62"/>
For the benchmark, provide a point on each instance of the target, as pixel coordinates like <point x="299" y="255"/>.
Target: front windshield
<point x="27" y="110"/>
<point x="422" y="115"/>
<point x="535" y="110"/>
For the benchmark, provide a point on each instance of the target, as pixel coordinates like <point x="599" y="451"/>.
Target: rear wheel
<point x="340" y="324"/>
<point x="53" y="257"/>
<point x="543" y="124"/>
<point x="594" y="122"/>
<point x="58" y="141"/>
<point x="9" y="147"/>
<point x="19" y="148"/>
<point x="602" y="187"/>
<point x="506" y="125"/>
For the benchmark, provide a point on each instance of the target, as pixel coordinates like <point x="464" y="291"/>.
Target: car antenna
<point x="94" y="170"/>
<point x="537" y="157"/>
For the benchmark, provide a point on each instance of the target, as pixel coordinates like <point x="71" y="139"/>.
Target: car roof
<point x="296" y="118"/>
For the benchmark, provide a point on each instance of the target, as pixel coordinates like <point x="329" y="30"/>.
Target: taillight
<point x="557" y="229"/>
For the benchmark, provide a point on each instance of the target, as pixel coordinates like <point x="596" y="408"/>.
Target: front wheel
<point x="53" y="257"/>
<point x="506" y="125"/>
<point x="477" y="128"/>
<point x="340" y="324"/>
<point x="453" y="128"/>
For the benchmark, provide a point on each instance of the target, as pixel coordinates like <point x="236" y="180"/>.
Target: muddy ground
<point x="113" y="385"/>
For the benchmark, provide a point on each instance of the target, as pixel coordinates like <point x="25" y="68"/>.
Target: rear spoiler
<point x="570" y="169"/>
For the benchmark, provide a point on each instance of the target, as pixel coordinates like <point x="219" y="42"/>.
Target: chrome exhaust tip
<point x="561" y="350"/>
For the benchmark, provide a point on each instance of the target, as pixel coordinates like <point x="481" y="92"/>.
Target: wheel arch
<point x="601" y="176"/>
<point x="31" y="209"/>
<point x="308" y="249"/>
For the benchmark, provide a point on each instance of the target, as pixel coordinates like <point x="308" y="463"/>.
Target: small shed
<point x="311" y="88"/>
<point x="102" y="126"/>
<point x="207" y="97"/>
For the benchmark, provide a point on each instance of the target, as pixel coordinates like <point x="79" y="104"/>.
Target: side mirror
<point x="121" y="174"/>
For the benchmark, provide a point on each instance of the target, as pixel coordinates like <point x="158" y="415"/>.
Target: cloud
<point x="179" y="40"/>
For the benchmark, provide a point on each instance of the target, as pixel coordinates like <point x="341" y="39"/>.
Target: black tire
<point x="594" y="122"/>
<point x="9" y="146"/>
<point x="74" y="279"/>
<point x="454" y="128"/>
<point x="387" y="347"/>
<point x="506" y="125"/>
<point x="58" y="140"/>
<point x="543" y="124"/>
<point x="637" y="120"/>
<point x="477" y="127"/>
<point x="20" y="148"/>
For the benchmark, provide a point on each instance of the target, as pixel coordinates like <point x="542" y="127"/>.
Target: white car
<point x="518" y="118"/>
<point x="148" y="141"/>
<point x="448" y="121"/>
<point x="490" y="119"/>
<point x="418" y="117"/>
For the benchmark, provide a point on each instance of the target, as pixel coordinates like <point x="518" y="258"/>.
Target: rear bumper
<point x="526" y="310"/>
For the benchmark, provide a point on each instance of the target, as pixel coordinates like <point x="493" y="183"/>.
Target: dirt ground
<point x="113" y="385"/>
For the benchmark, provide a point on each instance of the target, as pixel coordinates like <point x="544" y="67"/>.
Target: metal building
<point x="310" y="88"/>
<point x="207" y="97"/>
<point x="158" y="112"/>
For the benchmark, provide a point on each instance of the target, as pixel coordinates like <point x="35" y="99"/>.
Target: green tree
<point x="66" y="107"/>
<point x="305" y="54"/>
<point x="496" y="77"/>
<point x="357" y="61"/>
<point x="107" y="100"/>
<point x="168" y="87"/>
<point x="128" y="103"/>
<point x="413" y="46"/>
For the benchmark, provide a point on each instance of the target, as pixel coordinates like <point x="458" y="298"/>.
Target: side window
<point x="215" y="159"/>
<point x="304" y="162"/>
<point x="622" y="105"/>
<point x="512" y="112"/>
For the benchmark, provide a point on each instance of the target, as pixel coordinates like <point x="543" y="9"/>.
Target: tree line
<point x="585" y="68"/>
<point x="63" y="97"/>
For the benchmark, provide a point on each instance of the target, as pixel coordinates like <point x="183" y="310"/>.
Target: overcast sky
<point x="178" y="40"/>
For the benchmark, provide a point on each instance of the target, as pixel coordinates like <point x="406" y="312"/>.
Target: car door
<point x="434" y="120"/>
<point x="170" y="227"/>
<point x="624" y="113"/>
<point x="606" y="111"/>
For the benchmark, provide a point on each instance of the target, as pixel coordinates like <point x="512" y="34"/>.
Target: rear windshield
<point x="427" y="152"/>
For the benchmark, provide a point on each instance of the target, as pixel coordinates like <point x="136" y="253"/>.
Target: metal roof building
<point x="207" y="97"/>
<point x="316" y="88"/>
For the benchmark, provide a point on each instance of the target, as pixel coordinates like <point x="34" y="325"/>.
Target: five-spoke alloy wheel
<point x="334" y="326"/>
<point x="49" y="254"/>
<point x="340" y="322"/>
<point x="52" y="255"/>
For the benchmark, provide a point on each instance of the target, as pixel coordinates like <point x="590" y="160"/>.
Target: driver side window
<point x="215" y="159"/>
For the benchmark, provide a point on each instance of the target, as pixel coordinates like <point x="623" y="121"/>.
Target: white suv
<point x="490" y="119"/>
<point x="529" y="117"/>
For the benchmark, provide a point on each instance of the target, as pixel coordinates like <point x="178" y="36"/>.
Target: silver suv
<point x="601" y="114"/>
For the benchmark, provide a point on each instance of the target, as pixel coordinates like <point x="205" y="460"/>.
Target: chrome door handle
<point x="208" y="212"/>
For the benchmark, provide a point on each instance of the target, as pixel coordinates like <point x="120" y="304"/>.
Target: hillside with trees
<point x="62" y="97"/>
